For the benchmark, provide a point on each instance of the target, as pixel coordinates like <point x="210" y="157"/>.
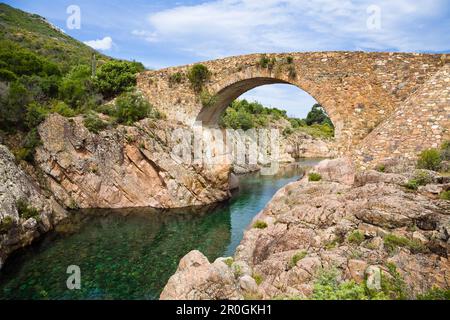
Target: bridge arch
<point x="210" y="115"/>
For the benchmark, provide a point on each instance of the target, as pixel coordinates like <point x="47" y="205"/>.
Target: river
<point x="131" y="253"/>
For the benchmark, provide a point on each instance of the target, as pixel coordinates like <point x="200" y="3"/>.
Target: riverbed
<point x="131" y="253"/>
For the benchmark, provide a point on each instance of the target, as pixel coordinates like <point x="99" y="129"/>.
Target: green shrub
<point x="132" y="107"/>
<point x="289" y="60"/>
<point x="445" y="151"/>
<point x="21" y="61"/>
<point x="356" y="237"/>
<point x="258" y="278"/>
<point x="421" y="178"/>
<point x="77" y="86"/>
<point x="314" y="176"/>
<point x="198" y="74"/>
<point x="63" y="109"/>
<point x="263" y="61"/>
<point x="176" y="78"/>
<point x="380" y="168"/>
<point x="6" y="224"/>
<point x="288" y="131"/>
<point x="94" y="124"/>
<point x="31" y="141"/>
<point x="207" y="99"/>
<point x="429" y="159"/>
<point x="272" y="63"/>
<point x="392" y="241"/>
<point x="108" y="109"/>
<point x="327" y="287"/>
<point x="237" y="270"/>
<point x="229" y="262"/>
<point x="13" y="106"/>
<point x="395" y="287"/>
<point x="260" y="224"/>
<point x="296" y="258"/>
<point x="412" y="184"/>
<point x="435" y="294"/>
<point x="445" y="195"/>
<point x="36" y="113"/>
<point x="331" y="244"/>
<point x="292" y="72"/>
<point x="115" y="77"/>
<point x="26" y="211"/>
<point x="323" y="131"/>
<point x="7" y="76"/>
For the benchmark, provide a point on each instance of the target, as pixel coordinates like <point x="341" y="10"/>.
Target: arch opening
<point x="313" y="111"/>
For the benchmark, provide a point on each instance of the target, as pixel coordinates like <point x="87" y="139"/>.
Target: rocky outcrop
<point x="302" y="145"/>
<point x="197" y="279"/>
<point x="129" y="166"/>
<point x="367" y="227"/>
<point x="25" y="212"/>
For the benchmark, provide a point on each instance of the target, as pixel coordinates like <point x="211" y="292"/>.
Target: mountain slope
<point x="34" y="32"/>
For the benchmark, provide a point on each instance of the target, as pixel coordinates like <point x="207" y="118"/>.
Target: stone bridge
<point x="382" y="104"/>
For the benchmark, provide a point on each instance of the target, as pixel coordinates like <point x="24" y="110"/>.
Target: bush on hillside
<point x="132" y="107"/>
<point x="429" y="159"/>
<point x="94" y="124"/>
<point x="115" y="77"/>
<point x="445" y="151"/>
<point x="13" y="106"/>
<point x="77" y="87"/>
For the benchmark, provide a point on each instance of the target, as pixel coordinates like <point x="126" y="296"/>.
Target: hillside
<point x="45" y="71"/>
<point x="34" y="32"/>
<point x="246" y="115"/>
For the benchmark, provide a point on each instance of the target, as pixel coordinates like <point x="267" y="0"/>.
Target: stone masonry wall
<point x="421" y="122"/>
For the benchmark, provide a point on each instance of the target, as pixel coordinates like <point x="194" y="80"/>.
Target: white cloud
<point x="103" y="44"/>
<point x="228" y="27"/>
<point x="147" y="35"/>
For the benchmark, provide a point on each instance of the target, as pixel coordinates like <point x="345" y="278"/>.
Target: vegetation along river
<point x="131" y="253"/>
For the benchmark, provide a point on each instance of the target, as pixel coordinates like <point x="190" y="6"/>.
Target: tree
<point x="13" y="106"/>
<point x="77" y="86"/>
<point x="132" y="107"/>
<point x="115" y="77"/>
<point x="318" y="115"/>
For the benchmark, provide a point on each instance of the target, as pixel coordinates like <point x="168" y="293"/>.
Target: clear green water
<point x="131" y="253"/>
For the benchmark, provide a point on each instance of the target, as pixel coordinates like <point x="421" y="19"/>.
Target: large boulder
<point x="340" y="170"/>
<point x="18" y="191"/>
<point x="197" y="279"/>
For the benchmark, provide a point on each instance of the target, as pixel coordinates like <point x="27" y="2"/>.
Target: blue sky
<point x="168" y="33"/>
